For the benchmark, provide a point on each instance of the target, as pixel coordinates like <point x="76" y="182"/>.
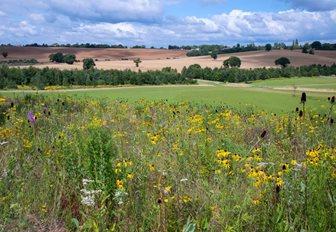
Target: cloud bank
<point x="143" y="22"/>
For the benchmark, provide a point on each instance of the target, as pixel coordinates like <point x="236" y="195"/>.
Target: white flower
<point x="88" y="196"/>
<point x="119" y="196"/>
<point x="184" y="180"/>
<point x="264" y="164"/>
<point x="88" y="200"/>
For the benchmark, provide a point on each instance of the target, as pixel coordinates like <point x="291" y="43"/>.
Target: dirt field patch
<point x="156" y="59"/>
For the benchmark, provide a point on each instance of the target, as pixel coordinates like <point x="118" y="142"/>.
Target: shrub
<point x="137" y="61"/>
<point x="316" y="45"/>
<point x="232" y="62"/>
<point x="268" y="47"/>
<point x="214" y="55"/>
<point x="4" y="54"/>
<point x="57" y="57"/>
<point x="88" y="63"/>
<point x="283" y="61"/>
<point x="69" y="58"/>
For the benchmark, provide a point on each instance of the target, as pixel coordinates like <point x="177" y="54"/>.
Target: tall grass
<point x="93" y="165"/>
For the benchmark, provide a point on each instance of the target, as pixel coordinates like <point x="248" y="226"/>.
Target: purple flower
<point x="31" y="117"/>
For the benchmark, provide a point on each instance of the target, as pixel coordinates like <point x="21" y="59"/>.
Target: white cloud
<point x="36" y="17"/>
<point x="313" y="5"/>
<point x="142" y="22"/>
<point x="109" y="10"/>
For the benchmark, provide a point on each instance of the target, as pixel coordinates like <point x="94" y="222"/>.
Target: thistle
<point x="31" y="117"/>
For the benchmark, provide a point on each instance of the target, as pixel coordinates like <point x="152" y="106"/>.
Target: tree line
<point x="205" y="50"/>
<point x="40" y="78"/>
<point x="12" y="77"/>
<point x="235" y="75"/>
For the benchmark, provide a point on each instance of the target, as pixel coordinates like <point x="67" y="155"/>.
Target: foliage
<point x="88" y="165"/>
<point x="88" y="63"/>
<point x="56" y="57"/>
<point x="268" y="47"/>
<point x="232" y="62"/>
<point x="69" y="58"/>
<point x="214" y="55"/>
<point x="205" y="50"/>
<point x="62" y="58"/>
<point x="19" y="62"/>
<point x="137" y="61"/>
<point x="316" y="45"/>
<point x="12" y="77"/>
<point x="4" y="54"/>
<point x="247" y="75"/>
<point x="91" y="77"/>
<point x="283" y="61"/>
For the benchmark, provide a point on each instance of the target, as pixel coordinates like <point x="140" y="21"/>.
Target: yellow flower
<point x="167" y="189"/>
<point x="154" y="138"/>
<point x="120" y="184"/>
<point x="279" y="182"/>
<point x="97" y="122"/>
<point x="221" y="154"/>
<point x="151" y="167"/>
<point x="294" y="162"/>
<point x="27" y="144"/>
<point x="186" y="198"/>
<point x="5" y="133"/>
<point x="256" y="201"/>
<point x="130" y="176"/>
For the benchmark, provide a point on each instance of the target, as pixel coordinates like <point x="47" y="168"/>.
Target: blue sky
<point x="164" y="22"/>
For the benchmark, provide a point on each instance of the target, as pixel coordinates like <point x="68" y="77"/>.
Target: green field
<point x="240" y="98"/>
<point x="301" y="82"/>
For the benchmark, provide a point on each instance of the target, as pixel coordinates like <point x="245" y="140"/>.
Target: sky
<point x="166" y="22"/>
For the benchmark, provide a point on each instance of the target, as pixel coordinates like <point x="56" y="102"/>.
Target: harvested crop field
<point x="156" y="59"/>
<point x="42" y="53"/>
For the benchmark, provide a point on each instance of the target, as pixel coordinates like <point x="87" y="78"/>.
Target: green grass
<point x="303" y="82"/>
<point x="240" y="98"/>
<point x="94" y="165"/>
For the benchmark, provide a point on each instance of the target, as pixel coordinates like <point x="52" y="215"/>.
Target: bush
<point x="214" y="55"/>
<point x="232" y="62"/>
<point x="69" y="58"/>
<point x="57" y="57"/>
<point x="268" y="47"/>
<point x="137" y="61"/>
<point x="283" y="61"/>
<point x="19" y="62"/>
<point x="88" y="63"/>
<point x="4" y="54"/>
<point x="316" y="45"/>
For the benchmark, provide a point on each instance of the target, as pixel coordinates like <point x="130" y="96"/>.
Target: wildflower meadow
<point x="69" y="164"/>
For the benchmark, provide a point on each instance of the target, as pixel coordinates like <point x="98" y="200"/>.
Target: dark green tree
<point x="4" y="54"/>
<point x="88" y="63"/>
<point x="268" y="47"/>
<point x="214" y="55"/>
<point x="233" y="61"/>
<point x="316" y="45"/>
<point x="283" y="61"/>
<point x="57" y="57"/>
<point x="69" y="58"/>
<point x="305" y="48"/>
